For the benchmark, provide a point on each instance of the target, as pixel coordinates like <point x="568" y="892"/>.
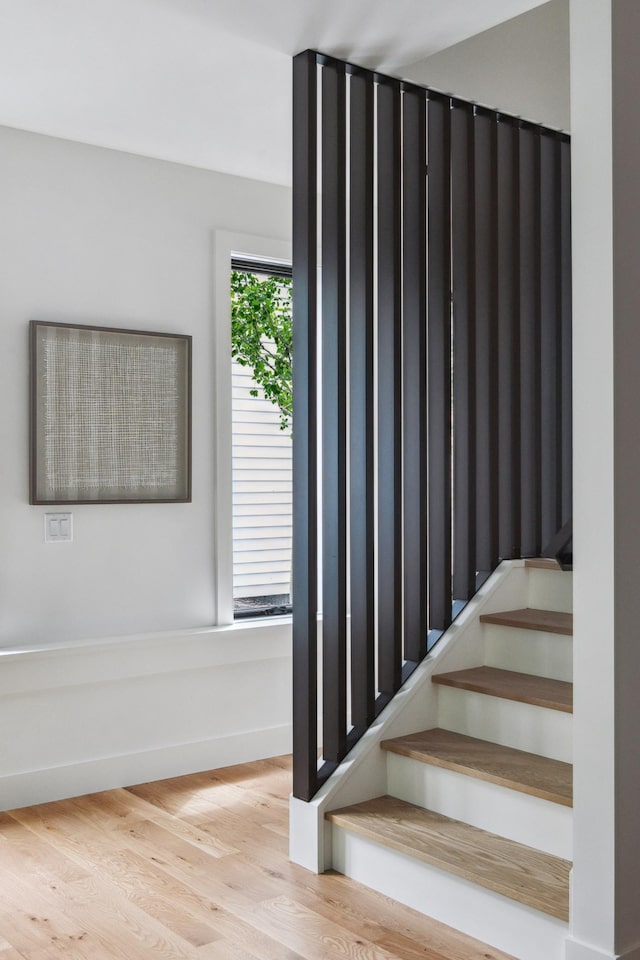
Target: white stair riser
<point x="550" y="590"/>
<point x="529" y="651"/>
<point x="503" y="923"/>
<point x="519" y="725"/>
<point x="529" y="820"/>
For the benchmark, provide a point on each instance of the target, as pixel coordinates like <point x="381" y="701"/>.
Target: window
<point x="261" y="437"/>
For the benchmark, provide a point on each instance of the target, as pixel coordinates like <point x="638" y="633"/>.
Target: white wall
<point x="96" y="236"/>
<point x="606" y="236"/>
<point x="593" y="879"/>
<point x="521" y="66"/>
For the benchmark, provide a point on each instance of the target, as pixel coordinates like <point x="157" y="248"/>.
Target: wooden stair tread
<point x="543" y="563"/>
<point x="525" y="772"/>
<point x="546" y="621"/>
<point x="521" y="873"/>
<point x="508" y="685"/>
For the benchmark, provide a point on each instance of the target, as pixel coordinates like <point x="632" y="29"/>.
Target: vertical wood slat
<point x="565" y="322"/>
<point x="529" y="248"/>
<point x="414" y="366"/>
<point x="463" y="286"/>
<point x="550" y="344"/>
<point x="389" y="186"/>
<point x="334" y="586"/>
<point x="508" y="341"/>
<point x="361" y="338"/>
<point x="439" y="365"/>
<point x="485" y="249"/>
<point x="305" y="544"/>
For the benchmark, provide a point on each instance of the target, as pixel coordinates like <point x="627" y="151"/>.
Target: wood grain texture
<point x="543" y="563"/>
<point x="545" y="621"/>
<point x="525" y="772"/>
<point x="194" y="867"/>
<point x="522" y="687"/>
<point x="520" y="873"/>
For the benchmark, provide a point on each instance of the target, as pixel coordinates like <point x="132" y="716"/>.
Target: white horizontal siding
<point x="263" y="517"/>
<point x="251" y="499"/>
<point x="259" y="545"/>
<point x="249" y="509"/>
<point x="253" y="486"/>
<point x="262" y="486"/>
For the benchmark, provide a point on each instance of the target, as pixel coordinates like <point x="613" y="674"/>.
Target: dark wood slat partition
<point x="389" y="187"/>
<point x="361" y="346"/>
<point x="439" y="364"/>
<point x="486" y="378"/>
<point x="305" y="466"/>
<point x="529" y="307"/>
<point x="464" y="345"/>
<point x="509" y="505"/>
<point x="550" y="342"/>
<point x="334" y="446"/>
<point x="564" y="278"/>
<point x="414" y="362"/>
<point x="445" y="426"/>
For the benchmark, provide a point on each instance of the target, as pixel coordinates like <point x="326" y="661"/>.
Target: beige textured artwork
<point x="110" y="415"/>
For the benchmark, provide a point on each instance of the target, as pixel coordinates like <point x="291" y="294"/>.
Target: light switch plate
<point x="58" y="527"/>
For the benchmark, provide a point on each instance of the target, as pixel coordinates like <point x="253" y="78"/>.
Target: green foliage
<point x="261" y="335"/>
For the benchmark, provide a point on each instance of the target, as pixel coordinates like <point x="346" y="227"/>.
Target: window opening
<point x="261" y="430"/>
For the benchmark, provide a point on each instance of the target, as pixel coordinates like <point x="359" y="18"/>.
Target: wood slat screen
<point x="432" y="378"/>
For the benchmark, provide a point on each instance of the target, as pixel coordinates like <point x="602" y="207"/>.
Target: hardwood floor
<point x="521" y="873"/>
<point x="522" y="687"/>
<point x="195" y="867"/>
<point x="525" y="772"/>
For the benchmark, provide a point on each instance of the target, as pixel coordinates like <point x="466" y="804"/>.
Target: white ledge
<point x="240" y="627"/>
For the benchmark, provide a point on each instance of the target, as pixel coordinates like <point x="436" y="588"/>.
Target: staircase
<point x="475" y="826"/>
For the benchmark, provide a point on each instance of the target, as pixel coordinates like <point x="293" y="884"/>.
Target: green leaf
<point x="261" y="335"/>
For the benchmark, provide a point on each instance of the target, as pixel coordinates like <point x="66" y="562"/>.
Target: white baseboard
<point x="582" y="951"/>
<point x="108" y="773"/>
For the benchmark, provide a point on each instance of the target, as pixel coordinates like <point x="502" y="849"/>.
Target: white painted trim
<point x="523" y="726"/>
<point x="109" y="773"/>
<point x="544" y="655"/>
<point x="95" y="716"/>
<point x="550" y="589"/>
<point x="306" y="832"/>
<point x="92" y="661"/>
<point x="576" y="950"/>
<point x="224" y="244"/>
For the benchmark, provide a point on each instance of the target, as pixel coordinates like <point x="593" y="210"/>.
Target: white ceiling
<point x="203" y="82"/>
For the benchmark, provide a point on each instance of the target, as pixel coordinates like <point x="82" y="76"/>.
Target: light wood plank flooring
<point x="544" y="621"/>
<point x="525" y="772"/>
<point x="195" y="867"/>
<point x="504" y="866"/>
<point x="522" y="687"/>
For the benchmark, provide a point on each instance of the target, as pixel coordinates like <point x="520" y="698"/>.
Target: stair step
<point x="543" y="563"/>
<point x="522" y="687"/>
<point x="546" y="621"/>
<point x="525" y="772"/>
<point x="520" y="873"/>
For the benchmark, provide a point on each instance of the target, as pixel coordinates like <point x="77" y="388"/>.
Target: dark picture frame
<point x="110" y="417"/>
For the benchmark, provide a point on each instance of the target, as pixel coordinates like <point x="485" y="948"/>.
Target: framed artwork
<point x="110" y="415"/>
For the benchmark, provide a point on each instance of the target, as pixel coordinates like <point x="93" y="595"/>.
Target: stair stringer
<point x="363" y="775"/>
